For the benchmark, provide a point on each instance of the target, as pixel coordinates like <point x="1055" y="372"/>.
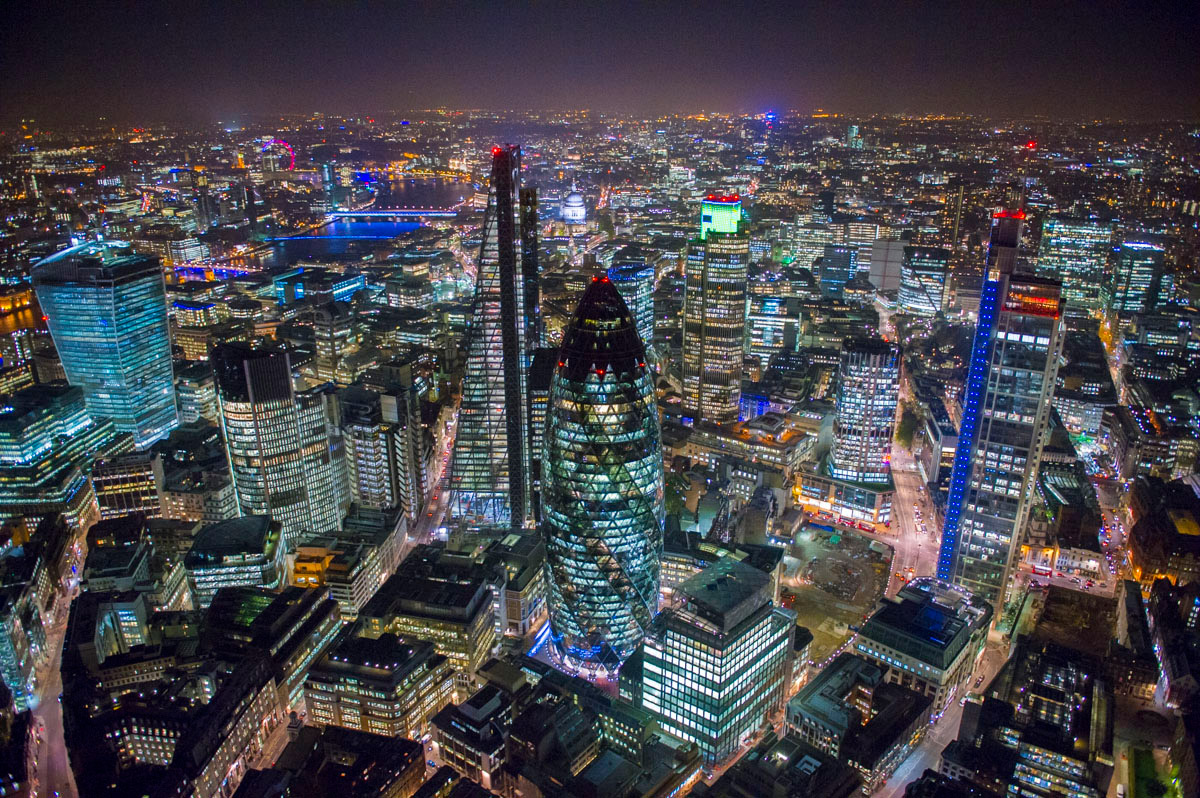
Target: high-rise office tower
<point x="924" y="280"/>
<point x="1075" y="249"/>
<point x="867" y="392"/>
<point x="602" y="485"/>
<point x="715" y="666"/>
<point x="839" y="262"/>
<point x="285" y="451"/>
<point x="107" y="312"/>
<point x="714" y="313"/>
<point x="489" y="472"/>
<point x="384" y="446"/>
<point x="1006" y="409"/>
<point x="1139" y="282"/>
<point x="634" y="279"/>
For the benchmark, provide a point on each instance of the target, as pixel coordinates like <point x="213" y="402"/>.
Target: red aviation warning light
<point x="1031" y="145"/>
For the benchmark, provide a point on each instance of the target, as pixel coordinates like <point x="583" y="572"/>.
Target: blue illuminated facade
<point x="602" y="486"/>
<point x="107" y="311"/>
<point x="1006" y="410"/>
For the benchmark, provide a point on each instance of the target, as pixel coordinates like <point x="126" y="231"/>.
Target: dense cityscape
<point x="456" y="453"/>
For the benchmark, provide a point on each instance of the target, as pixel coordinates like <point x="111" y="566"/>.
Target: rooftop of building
<point x="248" y="534"/>
<point x="928" y="620"/>
<point x="726" y="592"/>
<point x="385" y="657"/>
<point x="94" y="261"/>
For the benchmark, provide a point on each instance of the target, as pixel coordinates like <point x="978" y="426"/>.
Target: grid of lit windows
<point x="107" y="312"/>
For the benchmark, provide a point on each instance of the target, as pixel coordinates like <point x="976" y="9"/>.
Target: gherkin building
<point x="602" y="486"/>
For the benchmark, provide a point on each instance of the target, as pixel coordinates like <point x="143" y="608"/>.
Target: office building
<point x="386" y="685"/>
<point x="714" y="313"/>
<point x="1075" y="249"/>
<point x="471" y="736"/>
<point x="1006" y="410"/>
<point x="196" y="392"/>
<point x="839" y="263"/>
<point x="285" y="448"/>
<point x="125" y="485"/>
<point x="385" y="447"/>
<point x="489" y="469"/>
<point x="887" y="259"/>
<point x="1045" y="727"/>
<point x="1139" y="282"/>
<point x="924" y="281"/>
<point x="715" y="665"/>
<point x="458" y="617"/>
<point x="634" y="279"/>
<point x="48" y="442"/>
<point x="849" y="711"/>
<point x="782" y="768"/>
<point x="291" y="628"/>
<point x="107" y="312"/>
<point x="928" y="638"/>
<point x="854" y="482"/>
<point x="602" y="485"/>
<point x="242" y="552"/>
<point x="867" y="392"/>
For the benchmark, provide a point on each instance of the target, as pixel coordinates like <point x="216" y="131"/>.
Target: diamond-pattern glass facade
<point x="602" y="485"/>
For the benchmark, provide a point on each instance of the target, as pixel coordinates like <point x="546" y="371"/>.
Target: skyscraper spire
<point x="489" y="473"/>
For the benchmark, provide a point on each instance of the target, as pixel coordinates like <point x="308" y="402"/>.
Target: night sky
<point x="161" y="61"/>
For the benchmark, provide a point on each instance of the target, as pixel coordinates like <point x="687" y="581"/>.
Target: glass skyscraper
<point x="1075" y="249"/>
<point x="634" y="278"/>
<point x="285" y="450"/>
<point x="839" y="263"/>
<point x="602" y="486"/>
<point x="107" y="312"/>
<point x="868" y="389"/>
<point x="924" y="279"/>
<point x="714" y="314"/>
<point x="490" y="468"/>
<point x="1006" y="410"/>
<point x="1139" y="283"/>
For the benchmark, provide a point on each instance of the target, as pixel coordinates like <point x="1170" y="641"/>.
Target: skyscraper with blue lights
<point x="602" y="486"/>
<point x="1006" y="410"/>
<point x="107" y="311"/>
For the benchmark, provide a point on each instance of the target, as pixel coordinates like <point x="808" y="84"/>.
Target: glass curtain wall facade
<point x="714" y="318"/>
<point x="868" y="389"/>
<point x="1137" y="281"/>
<point x="107" y="312"/>
<point x="489" y="470"/>
<point x="602" y="486"/>
<point x="282" y="455"/>
<point x="839" y="263"/>
<point x="1006" y="410"/>
<point x="924" y="279"/>
<point x="1075" y="249"/>
<point x="635" y="280"/>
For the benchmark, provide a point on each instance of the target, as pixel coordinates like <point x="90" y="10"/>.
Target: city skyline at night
<point x="637" y="400"/>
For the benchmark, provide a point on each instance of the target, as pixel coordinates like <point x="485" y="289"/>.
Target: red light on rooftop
<point x="604" y="279"/>
<point x="562" y="363"/>
<point x="496" y="150"/>
<point x="1019" y="213"/>
<point x="1031" y="145"/>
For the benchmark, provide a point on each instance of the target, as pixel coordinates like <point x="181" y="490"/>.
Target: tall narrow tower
<point x="602" y="486"/>
<point x="489" y="474"/>
<point x="1006" y="409"/>
<point x="714" y="313"/>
